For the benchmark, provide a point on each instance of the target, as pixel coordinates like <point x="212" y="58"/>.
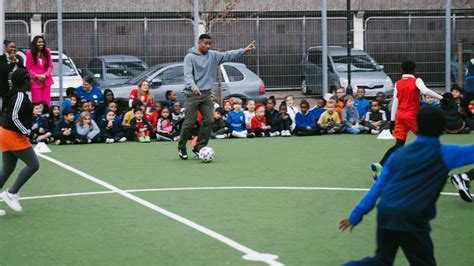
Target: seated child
<point x="319" y="109"/>
<point x="361" y="104"/>
<point x="65" y="131"/>
<point x="285" y="120"/>
<point x="40" y="131"/>
<point x="306" y="122"/>
<point x="54" y="117"/>
<point x="380" y="97"/>
<point x="110" y="130"/>
<point x="156" y="115"/>
<point x="127" y="118"/>
<point x="291" y="109"/>
<point x="272" y="116"/>
<point x="87" y="129"/>
<point x="177" y="116"/>
<point x="249" y="113"/>
<point x="170" y="97"/>
<point x="227" y="108"/>
<point x="428" y="100"/>
<point x="67" y="102"/>
<point x="85" y="107"/>
<point x="164" y="127"/>
<point x="455" y="122"/>
<point x="350" y="117"/>
<point x="219" y="126"/>
<point x="236" y="120"/>
<point x="140" y="126"/>
<point x="259" y="126"/>
<point x="329" y="120"/>
<point x="376" y="119"/>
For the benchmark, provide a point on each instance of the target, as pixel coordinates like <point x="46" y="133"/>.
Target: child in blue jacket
<point x="236" y="120"/>
<point x="408" y="188"/>
<point x="305" y="121"/>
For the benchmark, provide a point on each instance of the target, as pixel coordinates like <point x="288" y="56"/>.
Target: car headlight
<point x="343" y="82"/>
<point x="388" y="82"/>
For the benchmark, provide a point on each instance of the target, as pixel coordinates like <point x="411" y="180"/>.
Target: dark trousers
<point x="204" y="105"/>
<point x="417" y="247"/>
<point x="300" y="131"/>
<point x="10" y="159"/>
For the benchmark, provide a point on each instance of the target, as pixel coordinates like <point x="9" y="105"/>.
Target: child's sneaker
<point x="2" y="213"/>
<point x="461" y="182"/>
<point x="57" y="142"/>
<point x="122" y="139"/>
<point x="176" y="138"/>
<point x="68" y="142"/>
<point x="142" y="139"/>
<point x="222" y="136"/>
<point x="12" y="200"/>
<point x="147" y="139"/>
<point x="251" y="135"/>
<point x="273" y="134"/>
<point x="89" y="141"/>
<point x="376" y="169"/>
<point x="108" y="141"/>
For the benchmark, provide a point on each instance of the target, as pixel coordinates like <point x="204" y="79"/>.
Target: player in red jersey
<point x="406" y="102"/>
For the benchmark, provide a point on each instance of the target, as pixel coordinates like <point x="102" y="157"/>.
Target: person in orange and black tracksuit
<point x="14" y="139"/>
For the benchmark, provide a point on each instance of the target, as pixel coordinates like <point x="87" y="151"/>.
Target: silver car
<point x="365" y="72"/>
<point x="237" y="81"/>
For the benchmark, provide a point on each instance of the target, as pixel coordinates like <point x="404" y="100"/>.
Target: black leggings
<point x="398" y="144"/>
<point x="10" y="158"/>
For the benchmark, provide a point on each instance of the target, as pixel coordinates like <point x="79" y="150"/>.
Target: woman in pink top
<point x="40" y="65"/>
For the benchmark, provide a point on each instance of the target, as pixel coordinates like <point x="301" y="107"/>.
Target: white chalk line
<point x="77" y="194"/>
<point x="249" y="254"/>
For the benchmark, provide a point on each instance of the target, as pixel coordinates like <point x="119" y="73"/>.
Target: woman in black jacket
<point x="9" y="63"/>
<point x="14" y="139"/>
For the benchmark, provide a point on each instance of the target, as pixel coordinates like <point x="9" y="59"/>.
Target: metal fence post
<point x="145" y="39"/>
<point x="303" y="37"/>
<point x="59" y="4"/>
<point x="196" y="22"/>
<point x="257" y="40"/>
<point x="96" y="38"/>
<point x="324" y="30"/>
<point x="2" y="23"/>
<point x="447" y="52"/>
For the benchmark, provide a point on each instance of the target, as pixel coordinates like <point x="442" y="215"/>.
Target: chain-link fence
<point x="283" y="40"/>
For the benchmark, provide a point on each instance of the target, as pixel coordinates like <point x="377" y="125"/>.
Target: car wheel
<point x="304" y="87"/>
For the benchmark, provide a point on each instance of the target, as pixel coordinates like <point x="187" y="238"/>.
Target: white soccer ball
<point x="206" y="154"/>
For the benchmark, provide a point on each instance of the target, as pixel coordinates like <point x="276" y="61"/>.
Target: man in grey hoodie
<point x="200" y="75"/>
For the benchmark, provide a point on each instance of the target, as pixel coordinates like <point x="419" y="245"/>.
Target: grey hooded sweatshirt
<point x="200" y="70"/>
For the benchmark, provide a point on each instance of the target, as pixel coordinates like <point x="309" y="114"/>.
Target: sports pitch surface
<point x="139" y="204"/>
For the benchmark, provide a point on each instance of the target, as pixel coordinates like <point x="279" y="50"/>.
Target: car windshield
<point x="144" y="75"/>
<point x="123" y="70"/>
<point x="68" y="68"/>
<point x="359" y="63"/>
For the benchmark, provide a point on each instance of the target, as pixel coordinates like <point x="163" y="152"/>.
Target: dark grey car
<point x="109" y="70"/>
<point x="365" y="72"/>
<point x="237" y="81"/>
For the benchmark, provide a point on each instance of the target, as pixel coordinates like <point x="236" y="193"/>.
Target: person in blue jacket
<point x="88" y="93"/>
<point x="306" y="122"/>
<point x="408" y="187"/>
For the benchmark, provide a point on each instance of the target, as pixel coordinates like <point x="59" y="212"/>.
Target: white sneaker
<point x="2" y="213"/>
<point x="57" y="142"/>
<point x="108" y="141"/>
<point x="123" y="139"/>
<point x="223" y="136"/>
<point x="12" y="200"/>
<point x="273" y="134"/>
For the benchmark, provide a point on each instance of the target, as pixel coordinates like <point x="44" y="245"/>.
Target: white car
<point x="71" y="74"/>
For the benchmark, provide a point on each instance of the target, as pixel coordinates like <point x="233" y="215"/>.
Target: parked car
<point x="109" y="70"/>
<point x="467" y="54"/>
<point x="71" y="74"/>
<point x="237" y="81"/>
<point x="365" y="72"/>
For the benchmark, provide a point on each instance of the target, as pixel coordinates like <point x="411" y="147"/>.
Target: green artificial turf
<point x="297" y="225"/>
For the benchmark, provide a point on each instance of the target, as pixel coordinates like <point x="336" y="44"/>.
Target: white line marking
<point x="249" y="254"/>
<point x="206" y="188"/>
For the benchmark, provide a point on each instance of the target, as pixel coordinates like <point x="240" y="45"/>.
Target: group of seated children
<point x="341" y="113"/>
<point x="102" y="121"/>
